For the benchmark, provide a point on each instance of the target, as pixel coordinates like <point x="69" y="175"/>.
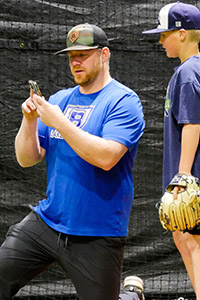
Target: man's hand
<point x="29" y="108"/>
<point x="50" y="114"/>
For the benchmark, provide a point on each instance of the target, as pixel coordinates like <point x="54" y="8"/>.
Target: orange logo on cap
<point x="74" y="36"/>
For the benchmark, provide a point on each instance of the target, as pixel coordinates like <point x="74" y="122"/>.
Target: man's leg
<point x="94" y="265"/>
<point x="21" y="256"/>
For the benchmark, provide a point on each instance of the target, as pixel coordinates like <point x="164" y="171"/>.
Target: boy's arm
<point x="189" y="143"/>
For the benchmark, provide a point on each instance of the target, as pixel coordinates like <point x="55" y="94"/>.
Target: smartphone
<point x="35" y="87"/>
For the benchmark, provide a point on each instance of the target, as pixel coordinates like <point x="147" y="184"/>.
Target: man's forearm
<point x="93" y="149"/>
<point x="27" y="145"/>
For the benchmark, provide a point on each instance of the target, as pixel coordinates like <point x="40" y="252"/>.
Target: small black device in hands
<point x="35" y="87"/>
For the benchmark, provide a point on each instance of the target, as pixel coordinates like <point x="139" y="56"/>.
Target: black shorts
<point x="92" y="263"/>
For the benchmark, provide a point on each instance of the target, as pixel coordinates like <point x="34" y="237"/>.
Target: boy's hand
<point x="176" y="190"/>
<point x="179" y="208"/>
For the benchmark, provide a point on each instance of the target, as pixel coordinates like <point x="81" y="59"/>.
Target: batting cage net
<point x="31" y="31"/>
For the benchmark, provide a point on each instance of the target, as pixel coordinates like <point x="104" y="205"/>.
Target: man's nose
<point x="75" y="61"/>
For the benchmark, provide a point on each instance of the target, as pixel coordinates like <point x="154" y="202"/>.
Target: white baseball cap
<point x="177" y="15"/>
<point x="134" y="281"/>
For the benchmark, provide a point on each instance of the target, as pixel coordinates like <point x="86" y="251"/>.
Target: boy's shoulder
<point x="192" y="61"/>
<point x="188" y="73"/>
<point x="191" y="65"/>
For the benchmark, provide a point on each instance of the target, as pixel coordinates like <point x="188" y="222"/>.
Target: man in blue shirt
<point x="89" y="136"/>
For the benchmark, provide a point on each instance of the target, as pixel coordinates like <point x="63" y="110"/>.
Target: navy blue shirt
<point x="182" y="106"/>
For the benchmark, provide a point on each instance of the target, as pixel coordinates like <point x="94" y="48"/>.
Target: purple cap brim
<point x="156" y="30"/>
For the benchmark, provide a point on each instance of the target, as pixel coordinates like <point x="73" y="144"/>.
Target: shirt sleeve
<point x="125" y="122"/>
<point x="187" y="109"/>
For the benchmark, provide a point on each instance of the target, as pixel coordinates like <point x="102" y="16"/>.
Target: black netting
<point x="31" y="31"/>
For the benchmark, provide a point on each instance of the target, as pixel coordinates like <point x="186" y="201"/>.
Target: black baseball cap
<point x="85" y="37"/>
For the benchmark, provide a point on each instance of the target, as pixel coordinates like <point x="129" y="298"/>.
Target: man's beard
<point x="83" y="81"/>
<point x="87" y="78"/>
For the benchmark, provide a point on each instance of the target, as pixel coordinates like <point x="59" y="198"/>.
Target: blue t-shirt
<point x="182" y="106"/>
<point x="83" y="199"/>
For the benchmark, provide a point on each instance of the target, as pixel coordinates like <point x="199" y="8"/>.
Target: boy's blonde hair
<point x="194" y="35"/>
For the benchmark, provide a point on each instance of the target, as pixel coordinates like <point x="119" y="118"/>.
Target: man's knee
<point x="8" y="288"/>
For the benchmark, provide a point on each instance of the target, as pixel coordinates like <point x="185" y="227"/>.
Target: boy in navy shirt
<point x="179" y="25"/>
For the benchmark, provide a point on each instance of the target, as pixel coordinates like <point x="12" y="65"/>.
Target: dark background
<point x="31" y="31"/>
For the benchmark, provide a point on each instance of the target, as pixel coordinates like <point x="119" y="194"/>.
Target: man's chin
<point x="81" y="82"/>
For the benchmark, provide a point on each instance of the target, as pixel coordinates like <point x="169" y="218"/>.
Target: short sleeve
<point x="188" y="108"/>
<point x="125" y="122"/>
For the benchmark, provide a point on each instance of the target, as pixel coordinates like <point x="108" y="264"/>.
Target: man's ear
<point x="105" y="54"/>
